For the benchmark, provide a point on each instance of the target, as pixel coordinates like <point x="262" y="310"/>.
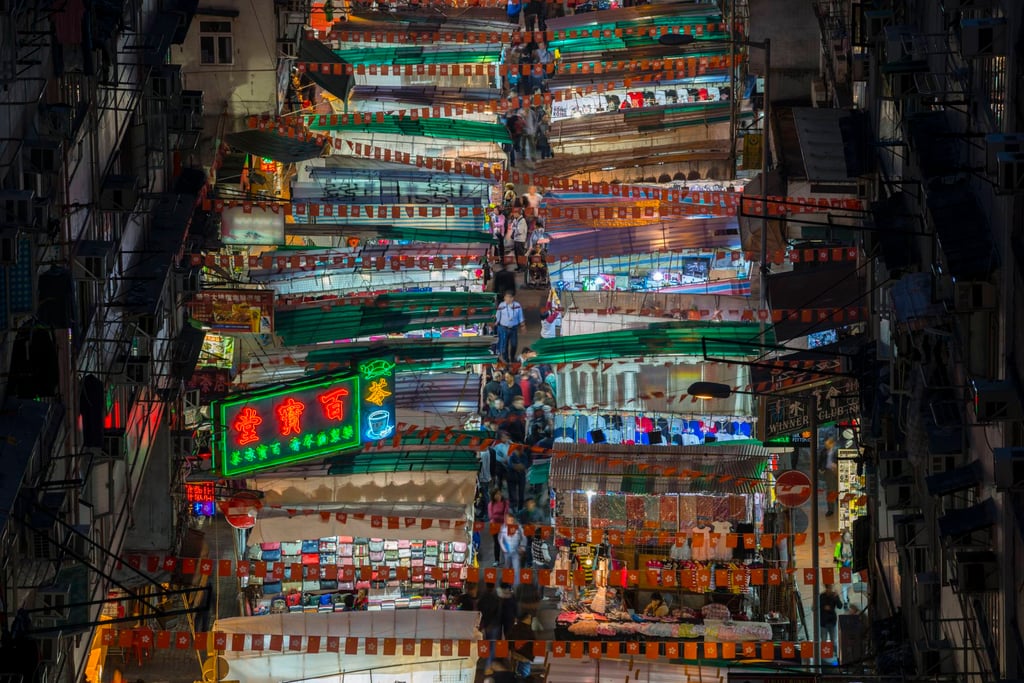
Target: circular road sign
<point x="793" y="488"/>
<point x="240" y="510"/>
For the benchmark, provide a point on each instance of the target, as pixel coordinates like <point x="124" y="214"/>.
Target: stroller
<point x="537" y="272"/>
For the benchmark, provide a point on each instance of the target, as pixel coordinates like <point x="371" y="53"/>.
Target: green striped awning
<point x="440" y="460"/>
<point x="682" y="338"/>
<point x="390" y="313"/>
<point x="449" y="129"/>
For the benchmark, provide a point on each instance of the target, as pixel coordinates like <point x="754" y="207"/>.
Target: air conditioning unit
<point x="16" y="210"/>
<point x="1010" y="172"/>
<point x="1008" y="468"/>
<point x="977" y="571"/>
<point x="119" y="193"/>
<point x="8" y="247"/>
<point x="983" y="37"/>
<point x="899" y="496"/>
<point x="998" y="143"/>
<point x="996" y="401"/>
<point x="860" y="69"/>
<point x="969" y="297"/>
<point x="113" y="443"/>
<point x="42" y="156"/>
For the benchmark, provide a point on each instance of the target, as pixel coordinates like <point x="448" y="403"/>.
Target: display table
<point x="590" y="626"/>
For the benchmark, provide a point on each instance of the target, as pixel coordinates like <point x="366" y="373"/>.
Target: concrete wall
<point x="249" y="86"/>
<point x="793" y="30"/>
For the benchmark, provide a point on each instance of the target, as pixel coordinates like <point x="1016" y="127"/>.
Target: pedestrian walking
<point x="509" y="320"/>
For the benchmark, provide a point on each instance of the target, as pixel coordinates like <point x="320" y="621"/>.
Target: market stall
<point x="259" y="663"/>
<point x="398" y="541"/>
<point x="684" y="522"/>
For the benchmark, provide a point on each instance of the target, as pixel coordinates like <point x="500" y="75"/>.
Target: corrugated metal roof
<point x="662" y="470"/>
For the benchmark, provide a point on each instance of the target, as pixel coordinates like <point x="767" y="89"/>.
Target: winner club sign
<point x="304" y="420"/>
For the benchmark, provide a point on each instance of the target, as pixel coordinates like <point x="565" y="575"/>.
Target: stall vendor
<point x="656" y="607"/>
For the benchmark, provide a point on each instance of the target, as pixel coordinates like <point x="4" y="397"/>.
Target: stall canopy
<point x="418" y="486"/>
<point x="388" y="313"/>
<point x="682" y="338"/>
<point x="270" y="145"/>
<point x="315" y="51"/>
<point x="446" y="522"/>
<point x="430" y="461"/>
<point x="267" y="666"/>
<point x="672" y="469"/>
<point x="315" y="507"/>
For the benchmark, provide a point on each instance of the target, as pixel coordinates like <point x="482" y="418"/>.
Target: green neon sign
<point x="301" y="421"/>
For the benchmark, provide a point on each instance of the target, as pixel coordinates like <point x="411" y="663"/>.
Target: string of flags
<point x="307" y="263"/>
<point x="295" y="127"/>
<point x="684" y="67"/>
<point x="727" y="205"/>
<point x="413" y="35"/>
<point x="700" y="578"/>
<point x="147" y="640"/>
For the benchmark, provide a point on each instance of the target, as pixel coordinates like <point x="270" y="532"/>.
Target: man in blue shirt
<point x="508" y="320"/>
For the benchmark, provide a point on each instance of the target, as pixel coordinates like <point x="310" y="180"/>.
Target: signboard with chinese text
<point x="304" y="420"/>
<point x="218" y="351"/>
<point x="837" y="401"/>
<point x="235" y="310"/>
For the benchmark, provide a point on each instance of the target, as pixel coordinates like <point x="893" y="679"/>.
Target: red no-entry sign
<point x="793" y="488"/>
<point x="240" y="510"/>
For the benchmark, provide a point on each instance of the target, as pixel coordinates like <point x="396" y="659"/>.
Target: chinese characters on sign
<point x="301" y="421"/>
<point x="304" y="420"/>
<point x="837" y="401"/>
<point x="236" y="311"/>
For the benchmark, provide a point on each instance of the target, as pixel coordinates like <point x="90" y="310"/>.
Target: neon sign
<point x="304" y="420"/>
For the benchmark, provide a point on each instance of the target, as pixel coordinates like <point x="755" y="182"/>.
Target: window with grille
<point x="215" y="43"/>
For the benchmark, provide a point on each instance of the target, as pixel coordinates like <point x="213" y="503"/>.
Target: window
<point x="215" y="43"/>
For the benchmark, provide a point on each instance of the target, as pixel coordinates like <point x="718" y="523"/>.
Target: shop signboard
<point x="234" y="311"/>
<point x="251" y="225"/>
<point x="218" y="351"/>
<point x="782" y="414"/>
<point x="303" y="420"/>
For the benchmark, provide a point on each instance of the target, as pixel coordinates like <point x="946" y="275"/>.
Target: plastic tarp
<point x="317" y="507"/>
<point x="435" y="487"/>
<point x="271" y="667"/>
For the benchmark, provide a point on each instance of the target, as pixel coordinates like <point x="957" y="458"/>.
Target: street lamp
<point x="714" y="390"/>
